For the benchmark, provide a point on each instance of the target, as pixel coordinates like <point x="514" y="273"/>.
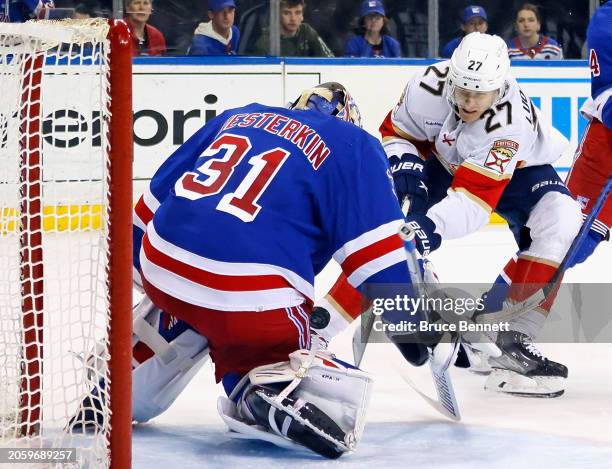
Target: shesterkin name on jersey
<point x="304" y="137"/>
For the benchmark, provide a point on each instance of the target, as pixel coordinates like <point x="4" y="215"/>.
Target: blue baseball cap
<point x="473" y="11"/>
<point x="216" y="5"/>
<point x="372" y="6"/>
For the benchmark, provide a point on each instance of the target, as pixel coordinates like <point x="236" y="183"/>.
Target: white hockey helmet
<point x="479" y="63"/>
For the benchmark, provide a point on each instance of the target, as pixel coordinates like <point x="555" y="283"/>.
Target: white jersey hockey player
<point x="463" y="141"/>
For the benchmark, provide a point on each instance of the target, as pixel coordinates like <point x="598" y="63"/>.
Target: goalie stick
<point x="540" y="296"/>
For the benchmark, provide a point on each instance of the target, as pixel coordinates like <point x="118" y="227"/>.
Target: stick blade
<point x="361" y="336"/>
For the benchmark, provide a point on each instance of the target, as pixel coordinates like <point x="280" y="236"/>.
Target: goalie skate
<point x="522" y="370"/>
<point x="299" y="421"/>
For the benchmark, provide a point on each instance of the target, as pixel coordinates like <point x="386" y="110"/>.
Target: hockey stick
<point x="362" y="334"/>
<point x="440" y="361"/>
<point x="540" y="296"/>
<point x="443" y="406"/>
<point x="447" y="407"/>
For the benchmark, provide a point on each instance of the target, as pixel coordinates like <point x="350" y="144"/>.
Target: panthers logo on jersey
<point x="500" y="154"/>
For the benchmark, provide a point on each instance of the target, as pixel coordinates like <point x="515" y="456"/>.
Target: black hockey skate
<point x="308" y="425"/>
<point x="89" y="417"/>
<point x="522" y="370"/>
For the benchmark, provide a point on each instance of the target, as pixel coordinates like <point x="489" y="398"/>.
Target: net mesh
<point x="54" y="307"/>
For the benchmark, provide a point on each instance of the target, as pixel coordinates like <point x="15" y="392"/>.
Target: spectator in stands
<point x="83" y="11"/>
<point x="146" y="40"/>
<point x="298" y="39"/>
<point x="218" y="36"/>
<point x="372" y="35"/>
<point x="22" y="10"/>
<point x="474" y="18"/>
<point x="530" y="44"/>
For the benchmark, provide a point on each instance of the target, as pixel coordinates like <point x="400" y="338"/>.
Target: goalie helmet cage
<point x="65" y="238"/>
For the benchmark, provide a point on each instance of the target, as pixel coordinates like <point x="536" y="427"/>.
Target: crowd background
<point x="422" y="27"/>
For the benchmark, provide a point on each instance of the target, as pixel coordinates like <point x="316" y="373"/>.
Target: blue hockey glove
<point x="427" y="240"/>
<point x="409" y="181"/>
<point x="587" y="247"/>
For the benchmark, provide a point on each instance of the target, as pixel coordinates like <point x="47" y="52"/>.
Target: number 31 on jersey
<point x="212" y="176"/>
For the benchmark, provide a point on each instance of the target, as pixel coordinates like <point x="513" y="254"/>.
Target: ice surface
<point x="574" y="430"/>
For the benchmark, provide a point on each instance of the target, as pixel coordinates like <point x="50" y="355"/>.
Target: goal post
<point x="65" y="238"/>
<point x="120" y="246"/>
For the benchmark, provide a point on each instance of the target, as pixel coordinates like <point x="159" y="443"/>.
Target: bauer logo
<point x="548" y="183"/>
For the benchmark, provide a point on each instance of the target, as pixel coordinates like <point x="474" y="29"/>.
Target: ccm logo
<point x="422" y="235"/>
<point x="407" y="165"/>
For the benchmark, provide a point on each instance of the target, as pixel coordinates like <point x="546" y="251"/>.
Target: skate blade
<point x="479" y="364"/>
<point x="479" y="371"/>
<point x="510" y="382"/>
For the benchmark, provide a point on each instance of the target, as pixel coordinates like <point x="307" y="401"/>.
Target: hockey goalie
<point x="228" y="238"/>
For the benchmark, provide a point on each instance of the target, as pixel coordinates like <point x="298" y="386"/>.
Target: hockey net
<point x="65" y="251"/>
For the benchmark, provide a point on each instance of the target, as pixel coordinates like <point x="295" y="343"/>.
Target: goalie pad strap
<point x="148" y="334"/>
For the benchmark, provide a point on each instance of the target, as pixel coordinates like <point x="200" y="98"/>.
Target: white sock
<point x="530" y="323"/>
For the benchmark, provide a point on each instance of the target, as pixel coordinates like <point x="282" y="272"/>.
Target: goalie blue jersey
<point x="246" y="212"/>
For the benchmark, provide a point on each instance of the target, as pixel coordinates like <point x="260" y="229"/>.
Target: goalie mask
<point x="480" y="64"/>
<point x="330" y="98"/>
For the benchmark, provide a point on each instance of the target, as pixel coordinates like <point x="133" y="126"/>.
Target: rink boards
<point x="173" y="97"/>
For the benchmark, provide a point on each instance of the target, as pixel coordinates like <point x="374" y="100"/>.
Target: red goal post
<point x="65" y="237"/>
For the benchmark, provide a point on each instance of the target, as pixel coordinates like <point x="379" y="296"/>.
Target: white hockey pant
<point x="553" y="222"/>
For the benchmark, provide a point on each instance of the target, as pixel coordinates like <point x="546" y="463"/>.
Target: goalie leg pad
<point x="339" y="389"/>
<point x="242" y="430"/>
<point x="313" y="399"/>
<point x="176" y="354"/>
